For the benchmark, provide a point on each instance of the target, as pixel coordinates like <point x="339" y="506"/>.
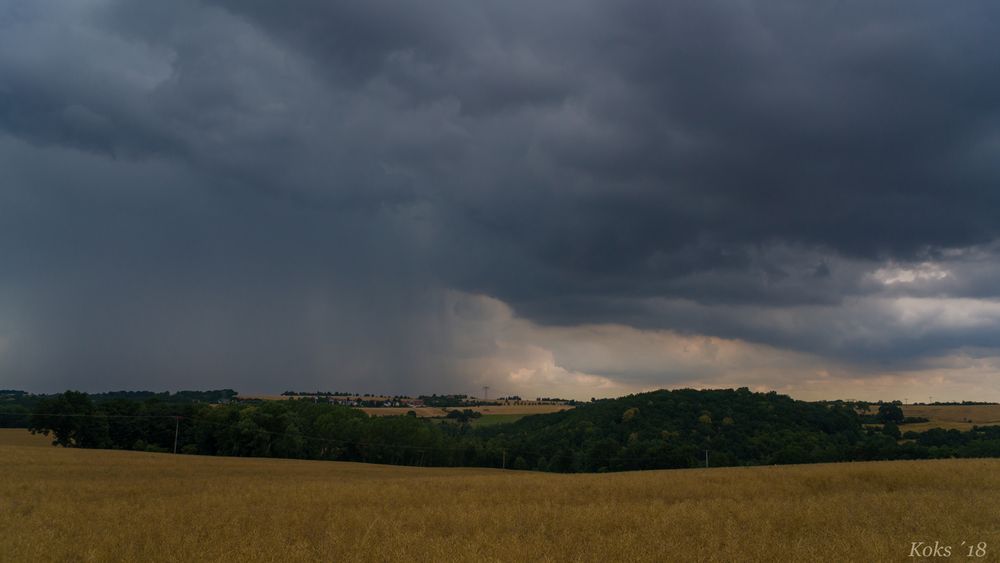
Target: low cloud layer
<point x="210" y="193"/>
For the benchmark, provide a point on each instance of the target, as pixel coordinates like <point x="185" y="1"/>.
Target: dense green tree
<point x="890" y="429"/>
<point x="890" y="412"/>
<point x="72" y="421"/>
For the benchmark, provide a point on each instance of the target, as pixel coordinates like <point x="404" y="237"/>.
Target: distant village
<point x="369" y="400"/>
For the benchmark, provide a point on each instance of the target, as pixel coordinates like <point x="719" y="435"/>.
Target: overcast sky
<point x="577" y="198"/>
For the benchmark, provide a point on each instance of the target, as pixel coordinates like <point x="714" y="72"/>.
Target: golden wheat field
<point x="91" y="505"/>
<point x="948" y="417"/>
<point x="978" y="414"/>
<point x="20" y="437"/>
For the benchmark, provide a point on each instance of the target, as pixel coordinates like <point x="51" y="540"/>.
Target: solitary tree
<point x="888" y="412"/>
<point x="71" y="419"/>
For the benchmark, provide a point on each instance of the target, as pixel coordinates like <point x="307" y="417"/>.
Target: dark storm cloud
<point x="747" y="122"/>
<point x="300" y="180"/>
<point x="144" y="275"/>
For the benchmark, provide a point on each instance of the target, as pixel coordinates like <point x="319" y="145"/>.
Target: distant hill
<point x="674" y="428"/>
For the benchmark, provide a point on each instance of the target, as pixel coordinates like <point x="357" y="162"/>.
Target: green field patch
<point x="494" y="419"/>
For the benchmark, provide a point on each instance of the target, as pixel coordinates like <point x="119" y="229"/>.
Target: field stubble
<point x="91" y="505"/>
<point x="976" y="414"/>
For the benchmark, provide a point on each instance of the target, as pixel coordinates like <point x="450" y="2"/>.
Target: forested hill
<point x="675" y="428"/>
<point x="661" y="429"/>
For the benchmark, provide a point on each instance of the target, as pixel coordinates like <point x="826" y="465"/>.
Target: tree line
<point x="656" y="430"/>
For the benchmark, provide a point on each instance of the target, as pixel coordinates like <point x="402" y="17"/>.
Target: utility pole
<point x="177" y="426"/>
<point x="706" y="459"/>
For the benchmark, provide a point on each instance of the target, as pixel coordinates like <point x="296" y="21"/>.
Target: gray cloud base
<point x="250" y="192"/>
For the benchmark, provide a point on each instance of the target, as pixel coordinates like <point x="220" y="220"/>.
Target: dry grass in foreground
<point x="21" y="437"/>
<point x="92" y="505"/>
